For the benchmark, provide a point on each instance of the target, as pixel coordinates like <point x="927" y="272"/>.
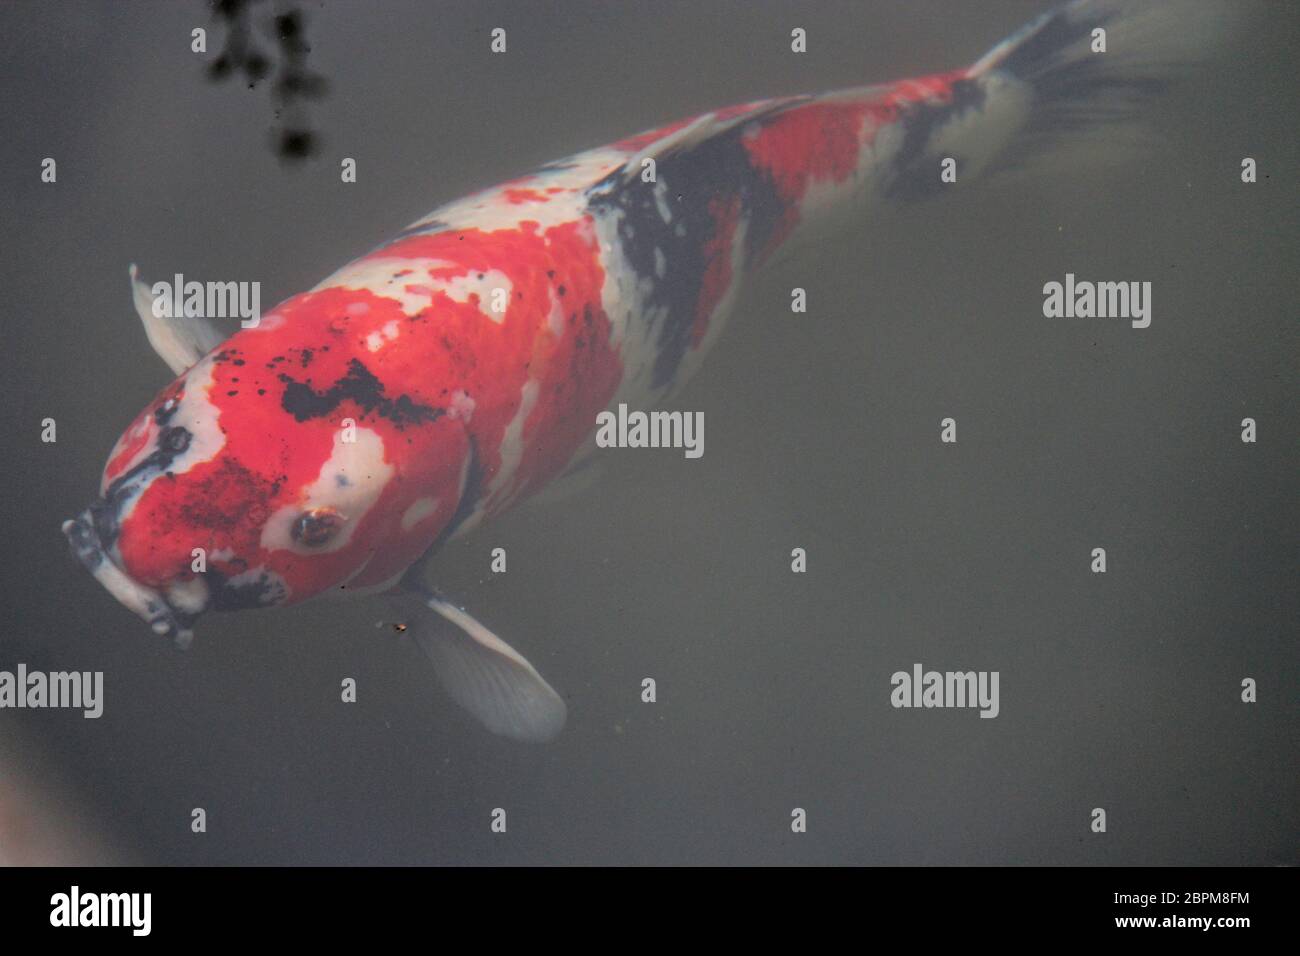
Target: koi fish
<point x="459" y="368"/>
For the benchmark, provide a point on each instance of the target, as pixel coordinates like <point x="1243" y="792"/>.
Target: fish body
<point x="460" y="367"/>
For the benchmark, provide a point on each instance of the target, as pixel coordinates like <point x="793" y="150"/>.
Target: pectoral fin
<point x="180" y="341"/>
<point x="487" y="676"/>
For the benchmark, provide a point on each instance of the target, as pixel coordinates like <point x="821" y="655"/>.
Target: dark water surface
<point x="1118" y="691"/>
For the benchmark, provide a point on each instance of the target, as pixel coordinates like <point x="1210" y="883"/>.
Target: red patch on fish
<point x="285" y="391"/>
<point x="577" y="372"/>
<point x="517" y="197"/>
<point x="818" y="141"/>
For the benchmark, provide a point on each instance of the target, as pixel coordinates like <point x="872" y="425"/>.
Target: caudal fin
<point x="1078" y="80"/>
<point x="1091" y="64"/>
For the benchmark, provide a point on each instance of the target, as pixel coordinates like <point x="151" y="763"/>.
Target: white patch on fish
<point x="420" y="509"/>
<point x="362" y="459"/>
<point x="405" y="281"/>
<point x="460" y="288"/>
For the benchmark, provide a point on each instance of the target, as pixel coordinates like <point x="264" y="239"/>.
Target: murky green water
<point x="1118" y="690"/>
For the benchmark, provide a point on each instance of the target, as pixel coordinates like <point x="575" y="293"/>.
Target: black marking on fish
<point x="172" y="442"/>
<point x="361" y="386"/>
<point x="225" y="596"/>
<point x="914" y="179"/>
<point x="716" y="169"/>
<point x="474" y="476"/>
<point x="167" y="410"/>
<point x="85" y="544"/>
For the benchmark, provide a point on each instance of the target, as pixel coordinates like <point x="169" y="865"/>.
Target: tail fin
<point x="1082" y="73"/>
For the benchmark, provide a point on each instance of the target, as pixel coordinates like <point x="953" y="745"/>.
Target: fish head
<point x="266" y="475"/>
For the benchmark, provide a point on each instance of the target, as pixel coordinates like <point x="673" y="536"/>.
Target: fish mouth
<point x="150" y="605"/>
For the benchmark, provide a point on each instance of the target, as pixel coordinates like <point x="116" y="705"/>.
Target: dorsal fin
<point x="702" y="128"/>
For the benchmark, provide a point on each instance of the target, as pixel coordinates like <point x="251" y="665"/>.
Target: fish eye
<point x="174" y="440"/>
<point x="316" y="527"/>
